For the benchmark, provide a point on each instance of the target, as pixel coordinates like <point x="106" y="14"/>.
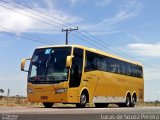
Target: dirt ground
<point x="22" y="101"/>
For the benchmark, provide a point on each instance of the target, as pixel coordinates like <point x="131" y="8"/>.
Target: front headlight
<point x="29" y="90"/>
<point x="61" y="90"/>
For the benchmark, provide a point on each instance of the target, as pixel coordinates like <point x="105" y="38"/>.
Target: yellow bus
<point x="79" y="75"/>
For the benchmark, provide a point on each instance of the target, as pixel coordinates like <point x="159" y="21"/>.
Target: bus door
<point x="76" y="74"/>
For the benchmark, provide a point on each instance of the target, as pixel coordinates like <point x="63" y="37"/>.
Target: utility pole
<point x="8" y="92"/>
<point x="68" y="30"/>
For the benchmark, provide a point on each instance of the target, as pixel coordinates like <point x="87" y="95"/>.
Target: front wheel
<point x="48" y="105"/>
<point x="83" y="101"/>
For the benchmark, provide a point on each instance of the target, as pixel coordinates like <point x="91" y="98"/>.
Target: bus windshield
<point x="49" y="65"/>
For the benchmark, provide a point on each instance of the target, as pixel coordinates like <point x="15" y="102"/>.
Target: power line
<point x="76" y="36"/>
<point x="29" y="16"/>
<point x="35" y="40"/>
<point x="80" y="29"/>
<point x="116" y="50"/>
<point x="101" y="43"/>
<point x="49" y="19"/>
<point x="37" y="19"/>
<point x="44" y="14"/>
<point x="13" y="33"/>
<point x="32" y="12"/>
<point x="22" y="13"/>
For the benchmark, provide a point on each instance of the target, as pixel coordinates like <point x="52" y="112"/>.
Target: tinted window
<point x="139" y="72"/>
<point x="128" y="69"/>
<point x="122" y="67"/>
<point x="91" y="61"/>
<point x="112" y="65"/>
<point x="77" y="65"/>
<point x="101" y="63"/>
<point x="108" y="64"/>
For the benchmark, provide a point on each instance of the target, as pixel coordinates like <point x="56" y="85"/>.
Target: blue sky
<point x="130" y="26"/>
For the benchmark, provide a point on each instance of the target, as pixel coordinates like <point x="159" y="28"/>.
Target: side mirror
<point x="69" y="61"/>
<point x="23" y="62"/>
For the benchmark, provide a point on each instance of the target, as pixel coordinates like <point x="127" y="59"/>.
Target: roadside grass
<point x="149" y="104"/>
<point x="17" y="101"/>
<point x="22" y="101"/>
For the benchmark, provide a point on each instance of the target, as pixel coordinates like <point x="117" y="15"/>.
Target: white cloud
<point x="151" y="73"/>
<point x="144" y="49"/>
<point x="49" y="3"/>
<point x="73" y="2"/>
<point x="102" y="3"/>
<point x="25" y="24"/>
<point x="110" y="25"/>
<point x="15" y="20"/>
<point x="149" y="51"/>
<point x="22" y="23"/>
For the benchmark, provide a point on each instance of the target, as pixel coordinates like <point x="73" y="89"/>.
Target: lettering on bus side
<point x="89" y="77"/>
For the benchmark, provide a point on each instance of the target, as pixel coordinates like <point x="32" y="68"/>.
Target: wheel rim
<point x="133" y="101"/>
<point x="83" y="99"/>
<point x="128" y="102"/>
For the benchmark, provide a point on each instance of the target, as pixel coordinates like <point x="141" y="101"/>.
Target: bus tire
<point x="83" y="101"/>
<point x="48" y="105"/>
<point x="101" y="105"/>
<point x="128" y="101"/>
<point x="134" y="100"/>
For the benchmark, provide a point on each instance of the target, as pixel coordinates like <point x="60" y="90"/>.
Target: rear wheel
<point x="48" y="105"/>
<point x="101" y="105"/>
<point x="127" y="103"/>
<point x="83" y="101"/>
<point x="133" y="102"/>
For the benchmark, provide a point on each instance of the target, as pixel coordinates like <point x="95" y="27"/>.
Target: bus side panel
<point x="111" y="87"/>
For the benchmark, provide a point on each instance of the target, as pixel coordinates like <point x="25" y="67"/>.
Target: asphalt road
<point x="40" y="113"/>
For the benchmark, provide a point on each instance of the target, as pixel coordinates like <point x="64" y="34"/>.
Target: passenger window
<point x="101" y="63"/>
<point x="91" y="61"/>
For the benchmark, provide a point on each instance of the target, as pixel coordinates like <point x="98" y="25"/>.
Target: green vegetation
<point x="1" y="91"/>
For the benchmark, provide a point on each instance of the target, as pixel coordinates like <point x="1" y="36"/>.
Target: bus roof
<point x="95" y="51"/>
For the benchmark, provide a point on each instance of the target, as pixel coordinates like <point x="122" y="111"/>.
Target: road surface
<point x="40" y="113"/>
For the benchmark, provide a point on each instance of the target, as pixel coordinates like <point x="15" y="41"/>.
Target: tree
<point x="1" y="91"/>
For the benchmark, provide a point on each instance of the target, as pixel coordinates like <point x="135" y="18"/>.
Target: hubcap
<point x="83" y="99"/>
<point x="133" y="101"/>
<point x="128" y="102"/>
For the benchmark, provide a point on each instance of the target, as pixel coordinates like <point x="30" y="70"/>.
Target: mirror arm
<point x="25" y="70"/>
